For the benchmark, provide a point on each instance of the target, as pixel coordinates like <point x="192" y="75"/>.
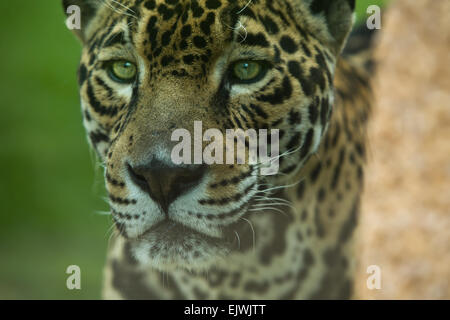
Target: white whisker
<point x="126" y="10"/>
<point x="239" y="239"/>
<point x="245" y="7"/>
<point x="103" y="213"/>
<point x="280" y="187"/>
<point x="253" y="232"/>
<point x="278" y="199"/>
<point x="268" y="208"/>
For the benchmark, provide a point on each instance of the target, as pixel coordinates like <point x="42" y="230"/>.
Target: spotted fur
<point x="238" y="234"/>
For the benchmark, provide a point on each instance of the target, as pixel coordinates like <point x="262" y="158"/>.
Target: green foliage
<point x="48" y="192"/>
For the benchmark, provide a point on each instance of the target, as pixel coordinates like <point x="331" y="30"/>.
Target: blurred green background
<point x="51" y="187"/>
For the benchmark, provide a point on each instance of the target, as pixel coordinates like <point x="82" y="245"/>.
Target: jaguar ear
<point x="79" y="14"/>
<point x="337" y="16"/>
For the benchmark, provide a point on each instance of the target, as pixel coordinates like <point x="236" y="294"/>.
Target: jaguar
<point x="226" y="231"/>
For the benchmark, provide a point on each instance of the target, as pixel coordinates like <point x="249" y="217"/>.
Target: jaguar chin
<point x="170" y="245"/>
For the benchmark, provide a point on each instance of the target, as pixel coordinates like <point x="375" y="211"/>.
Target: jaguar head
<point x="153" y="71"/>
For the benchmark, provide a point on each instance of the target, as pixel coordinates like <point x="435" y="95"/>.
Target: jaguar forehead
<point x="165" y="30"/>
<point x="186" y="31"/>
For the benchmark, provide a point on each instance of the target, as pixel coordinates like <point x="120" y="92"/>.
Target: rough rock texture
<point x="405" y="220"/>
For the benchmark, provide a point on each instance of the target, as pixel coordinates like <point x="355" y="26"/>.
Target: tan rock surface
<point x="405" y="220"/>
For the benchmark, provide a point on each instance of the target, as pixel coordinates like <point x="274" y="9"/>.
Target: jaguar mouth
<point x="174" y="232"/>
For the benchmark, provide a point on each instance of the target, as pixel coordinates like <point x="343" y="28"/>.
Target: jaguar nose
<point x="163" y="183"/>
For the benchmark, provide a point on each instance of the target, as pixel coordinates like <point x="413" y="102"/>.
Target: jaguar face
<point x="151" y="67"/>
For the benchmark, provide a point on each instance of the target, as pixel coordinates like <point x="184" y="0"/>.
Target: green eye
<point x="248" y="71"/>
<point x="122" y="71"/>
